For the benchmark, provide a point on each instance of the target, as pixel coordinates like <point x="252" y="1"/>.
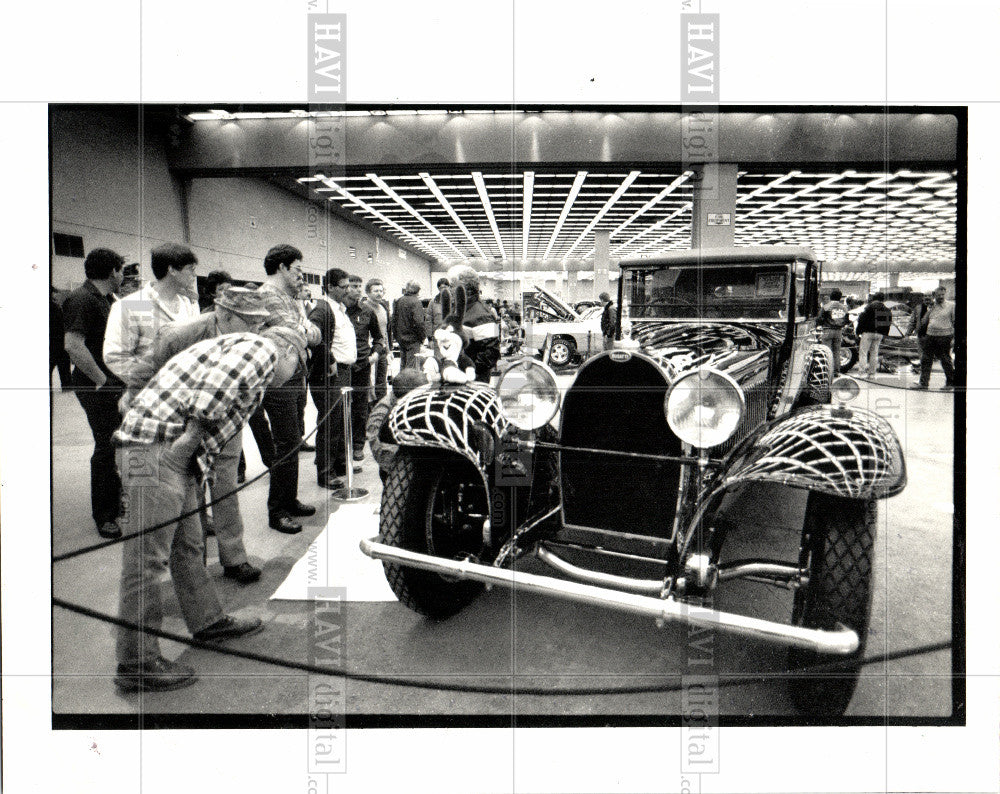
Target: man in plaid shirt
<point x="168" y="439"/>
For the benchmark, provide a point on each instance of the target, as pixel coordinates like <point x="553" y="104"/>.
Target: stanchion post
<point x="348" y="493"/>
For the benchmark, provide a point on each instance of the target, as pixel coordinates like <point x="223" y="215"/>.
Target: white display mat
<point x="334" y="559"/>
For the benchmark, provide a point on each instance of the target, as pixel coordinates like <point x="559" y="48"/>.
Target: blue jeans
<point x="832" y="338"/>
<point x="156" y="489"/>
<point x="226" y="514"/>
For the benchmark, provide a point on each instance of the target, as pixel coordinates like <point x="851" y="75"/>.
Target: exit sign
<point x="720" y="219"/>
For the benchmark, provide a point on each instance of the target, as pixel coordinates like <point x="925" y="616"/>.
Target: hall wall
<point x="112" y="187"/>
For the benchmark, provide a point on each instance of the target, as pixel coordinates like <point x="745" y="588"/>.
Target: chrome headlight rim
<point x="697" y="373"/>
<point x="529" y="361"/>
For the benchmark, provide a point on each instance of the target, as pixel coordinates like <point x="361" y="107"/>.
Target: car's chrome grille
<point x="755" y="397"/>
<point x="618" y="406"/>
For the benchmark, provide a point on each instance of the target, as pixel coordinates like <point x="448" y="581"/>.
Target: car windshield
<point x="707" y="291"/>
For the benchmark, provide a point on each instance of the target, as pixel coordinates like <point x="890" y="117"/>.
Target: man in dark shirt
<point x="607" y="320"/>
<point x="370" y="344"/>
<point x="408" y="320"/>
<point x="874" y="323"/>
<point x="435" y="313"/>
<point x="85" y="317"/>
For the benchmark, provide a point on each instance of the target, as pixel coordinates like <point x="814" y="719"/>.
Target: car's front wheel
<point x="838" y="541"/>
<point x="434" y="506"/>
<point x="561" y="352"/>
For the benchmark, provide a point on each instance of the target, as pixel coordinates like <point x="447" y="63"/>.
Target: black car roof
<point x="725" y="256"/>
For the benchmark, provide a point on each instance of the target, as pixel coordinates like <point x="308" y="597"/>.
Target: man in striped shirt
<point x="168" y="440"/>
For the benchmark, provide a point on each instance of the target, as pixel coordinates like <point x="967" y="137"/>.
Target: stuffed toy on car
<point x="449" y="364"/>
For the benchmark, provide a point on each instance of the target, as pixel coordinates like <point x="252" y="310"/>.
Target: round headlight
<point x="704" y="408"/>
<point x="528" y="394"/>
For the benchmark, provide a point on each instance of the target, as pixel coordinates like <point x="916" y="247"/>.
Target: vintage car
<point x="720" y="387"/>
<point x="558" y="332"/>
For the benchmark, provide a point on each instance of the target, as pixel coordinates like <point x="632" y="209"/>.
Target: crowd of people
<point x="932" y="321"/>
<point x="167" y="387"/>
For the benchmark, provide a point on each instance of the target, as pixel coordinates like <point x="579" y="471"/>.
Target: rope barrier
<point x="727" y="679"/>
<point x="146" y="530"/>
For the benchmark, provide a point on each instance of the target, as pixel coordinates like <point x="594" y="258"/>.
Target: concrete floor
<point x="544" y="641"/>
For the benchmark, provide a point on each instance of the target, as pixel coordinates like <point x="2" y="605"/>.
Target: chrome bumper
<point x="842" y="641"/>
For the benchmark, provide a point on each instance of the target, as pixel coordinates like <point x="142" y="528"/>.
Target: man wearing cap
<point x="168" y="439"/>
<point x="237" y="310"/>
<point x="280" y="290"/>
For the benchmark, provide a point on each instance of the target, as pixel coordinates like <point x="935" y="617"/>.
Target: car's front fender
<point x="463" y="419"/>
<point x="849" y="452"/>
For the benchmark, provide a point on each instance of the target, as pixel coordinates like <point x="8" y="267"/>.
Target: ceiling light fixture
<point x="573" y="193"/>
<point x="403" y="203"/>
<point x="484" y="198"/>
<point x="529" y="188"/>
<point x="432" y="186"/>
<point x="633" y="175"/>
<point x="332" y="185"/>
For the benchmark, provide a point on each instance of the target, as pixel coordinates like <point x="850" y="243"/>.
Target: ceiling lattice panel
<point x="551" y="216"/>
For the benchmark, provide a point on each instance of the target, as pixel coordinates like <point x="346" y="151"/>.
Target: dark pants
<point x="262" y="435"/>
<point x="381" y="377"/>
<point x="329" y="427"/>
<point x="300" y="406"/>
<point x="281" y="406"/>
<point x="101" y="408"/>
<point x="361" y="381"/>
<point x="408" y="354"/>
<point x="938" y="347"/>
<point x="65" y="375"/>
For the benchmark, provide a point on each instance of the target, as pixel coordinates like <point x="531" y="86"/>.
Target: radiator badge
<point x="620" y="355"/>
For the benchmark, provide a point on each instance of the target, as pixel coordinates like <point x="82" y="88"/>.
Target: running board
<point x="842" y="641"/>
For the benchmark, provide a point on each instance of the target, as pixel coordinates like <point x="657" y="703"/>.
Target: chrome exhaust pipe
<point x="840" y="641"/>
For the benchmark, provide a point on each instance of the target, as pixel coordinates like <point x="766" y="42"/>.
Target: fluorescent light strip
<point x="573" y="193"/>
<point x="432" y="186"/>
<point x="332" y="185"/>
<point x="484" y="198"/>
<point x="529" y="187"/>
<point x="403" y="203"/>
<point x="683" y="208"/>
<point x="660" y="241"/>
<point x="633" y="175"/>
<point x="655" y="200"/>
<point x="801" y="192"/>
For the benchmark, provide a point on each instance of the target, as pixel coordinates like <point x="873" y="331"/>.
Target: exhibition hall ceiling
<point x="864" y="188"/>
<point x="548" y="218"/>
